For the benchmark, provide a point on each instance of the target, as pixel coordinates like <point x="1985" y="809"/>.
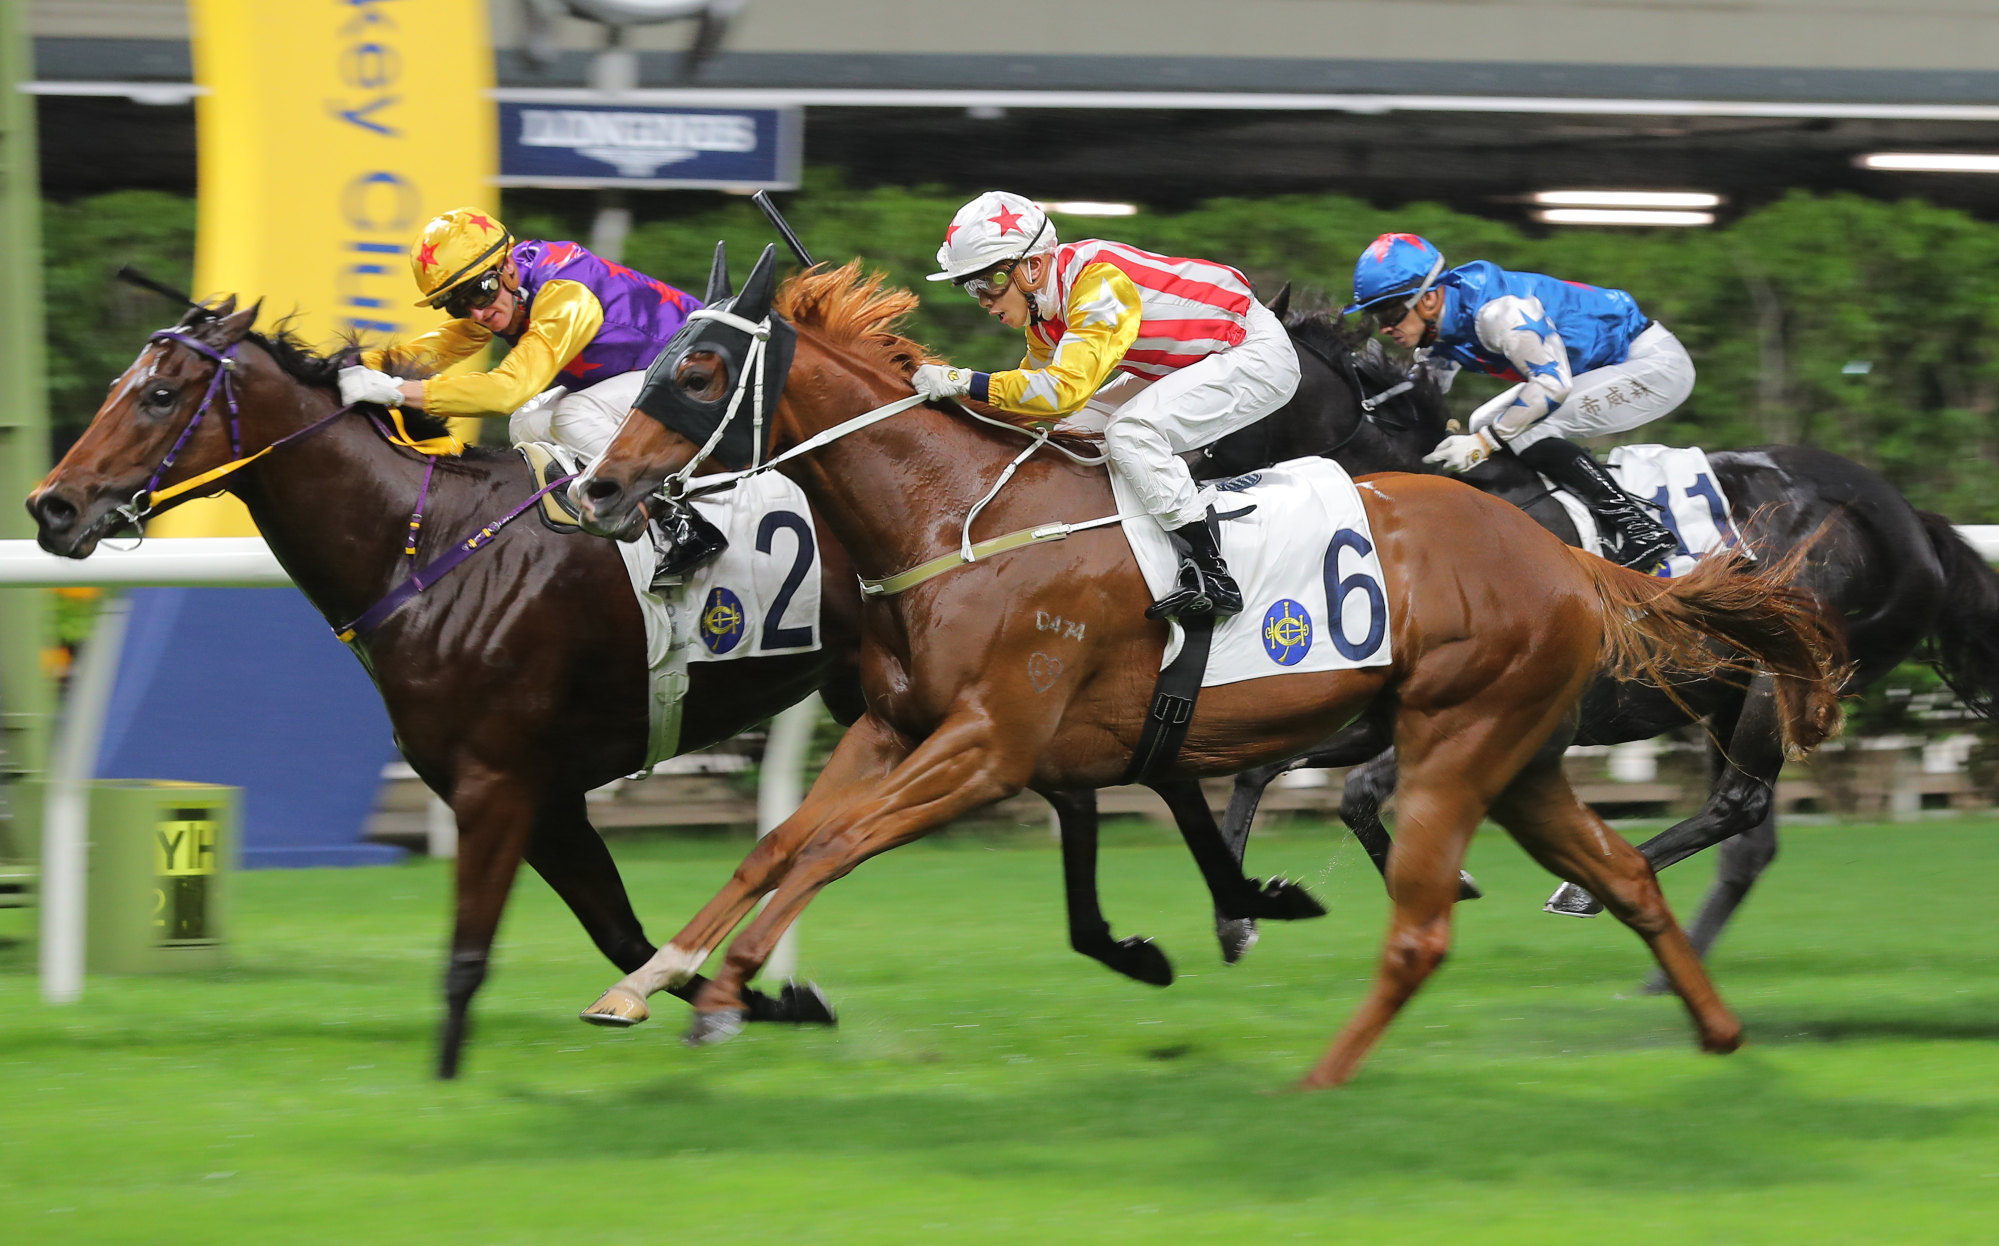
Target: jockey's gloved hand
<point x="936" y="380"/>
<point x="1464" y="452"/>
<point x="358" y="384"/>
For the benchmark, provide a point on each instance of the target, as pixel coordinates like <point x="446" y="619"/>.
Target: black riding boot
<point x="1637" y="539"/>
<point x="686" y="540"/>
<point x="1204" y="585"/>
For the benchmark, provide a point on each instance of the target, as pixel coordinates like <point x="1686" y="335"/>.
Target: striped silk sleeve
<point x="433" y="350"/>
<point x="565" y="316"/>
<point x="1101" y="323"/>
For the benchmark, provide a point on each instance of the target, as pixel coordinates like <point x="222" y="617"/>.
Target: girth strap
<point x="1173" y="699"/>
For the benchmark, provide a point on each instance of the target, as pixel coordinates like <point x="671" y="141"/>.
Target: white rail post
<point x="66" y="811"/>
<point x="780" y="788"/>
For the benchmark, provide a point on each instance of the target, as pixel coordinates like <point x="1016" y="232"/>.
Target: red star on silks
<point x="579" y="367"/>
<point x="485" y="224"/>
<point x="1383" y="244"/>
<point x="1008" y="220"/>
<point x="949" y="231"/>
<point x="427" y="255"/>
<point x="562" y="253"/>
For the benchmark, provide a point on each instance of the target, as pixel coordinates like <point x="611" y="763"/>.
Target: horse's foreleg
<point x="1134" y="957"/>
<point x="865" y="753"/>
<point x="571" y="858"/>
<point x="1239" y="901"/>
<point x="1541" y="811"/>
<point x="968" y="761"/>
<point x="496" y="811"/>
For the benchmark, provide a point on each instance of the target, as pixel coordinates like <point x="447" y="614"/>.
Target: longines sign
<point x="581" y="145"/>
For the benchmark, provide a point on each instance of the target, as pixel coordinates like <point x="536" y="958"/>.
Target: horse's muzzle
<point x="608" y="509"/>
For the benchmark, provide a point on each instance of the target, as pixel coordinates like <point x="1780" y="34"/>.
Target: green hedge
<point x="1775" y="307"/>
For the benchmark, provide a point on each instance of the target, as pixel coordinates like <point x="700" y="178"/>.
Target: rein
<point x="393" y="430"/>
<point x="967" y="552"/>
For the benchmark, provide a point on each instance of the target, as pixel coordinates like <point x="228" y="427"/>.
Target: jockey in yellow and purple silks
<point x="1175" y="352"/>
<point x="582" y="331"/>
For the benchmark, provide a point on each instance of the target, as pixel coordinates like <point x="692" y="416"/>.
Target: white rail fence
<point x="239" y="562"/>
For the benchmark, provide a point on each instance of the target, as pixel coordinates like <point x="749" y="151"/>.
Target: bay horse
<point x="483" y="673"/>
<point x="1496" y="629"/>
<point x="1902" y="580"/>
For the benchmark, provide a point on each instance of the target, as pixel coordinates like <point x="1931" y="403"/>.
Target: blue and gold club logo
<point x="1287" y="632"/>
<point x="721" y="620"/>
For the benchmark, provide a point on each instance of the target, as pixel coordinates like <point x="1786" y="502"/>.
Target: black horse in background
<point x="1902" y="579"/>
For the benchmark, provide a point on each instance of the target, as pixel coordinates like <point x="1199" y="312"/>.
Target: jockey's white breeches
<point x="1151" y="422"/>
<point x="583" y="422"/>
<point x="1654" y="378"/>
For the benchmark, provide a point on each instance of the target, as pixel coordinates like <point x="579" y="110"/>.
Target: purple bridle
<point x="224" y="381"/>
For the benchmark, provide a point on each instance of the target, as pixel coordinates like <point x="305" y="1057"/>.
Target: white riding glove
<point x="1462" y="453"/>
<point x="358" y="384"/>
<point x="935" y="381"/>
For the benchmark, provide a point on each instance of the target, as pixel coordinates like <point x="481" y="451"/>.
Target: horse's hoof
<point x="1282" y="900"/>
<point x="1724" y="1041"/>
<point x="1572" y="901"/>
<point x="1141" y="960"/>
<point x="711" y="1028"/>
<point x="1468" y="888"/>
<point x="616" y="1007"/>
<point x="803" y="1003"/>
<point x="1237" y="937"/>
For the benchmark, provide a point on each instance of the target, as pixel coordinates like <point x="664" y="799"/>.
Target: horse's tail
<point x="1728" y="614"/>
<point x="1964" y="640"/>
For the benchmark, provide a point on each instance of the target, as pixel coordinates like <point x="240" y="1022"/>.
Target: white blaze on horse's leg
<point x="625" y="1003"/>
<point x="670" y="966"/>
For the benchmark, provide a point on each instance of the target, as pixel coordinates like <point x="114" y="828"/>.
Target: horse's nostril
<point x="601" y="490"/>
<point x="52" y="512"/>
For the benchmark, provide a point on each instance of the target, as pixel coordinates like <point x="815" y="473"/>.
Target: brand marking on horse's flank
<point x="1069" y="628"/>
<point x="1043" y="671"/>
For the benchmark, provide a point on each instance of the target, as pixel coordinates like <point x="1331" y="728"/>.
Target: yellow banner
<point x="330" y="131"/>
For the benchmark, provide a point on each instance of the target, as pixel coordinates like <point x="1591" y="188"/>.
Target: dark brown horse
<point x="483" y="674"/>
<point x="1496" y="628"/>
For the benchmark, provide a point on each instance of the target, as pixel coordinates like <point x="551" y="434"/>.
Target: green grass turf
<point x="987" y="1086"/>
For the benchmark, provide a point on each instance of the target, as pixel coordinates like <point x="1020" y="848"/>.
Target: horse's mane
<point x="1331" y="338"/>
<point x="856" y="309"/>
<point x="307" y="366"/>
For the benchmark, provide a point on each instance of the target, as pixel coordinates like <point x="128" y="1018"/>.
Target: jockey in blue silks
<point x="1584" y="360"/>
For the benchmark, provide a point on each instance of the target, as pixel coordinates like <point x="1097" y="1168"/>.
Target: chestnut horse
<point x="1496" y="627"/>
<point x="483" y="673"/>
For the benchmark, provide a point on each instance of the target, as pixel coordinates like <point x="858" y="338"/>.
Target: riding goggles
<point x="477" y="293"/>
<point x="992" y="284"/>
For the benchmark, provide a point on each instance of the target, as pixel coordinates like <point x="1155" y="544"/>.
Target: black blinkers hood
<point x="694" y="419"/>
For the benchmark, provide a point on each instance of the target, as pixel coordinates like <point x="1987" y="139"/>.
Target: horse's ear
<point x="229" y="325"/>
<point x="754" y="302"/>
<point x="718" y="276"/>
<point x="1280" y="303"/>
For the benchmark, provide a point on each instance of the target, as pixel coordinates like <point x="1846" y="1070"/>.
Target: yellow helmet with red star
<point x="454" y="248"/>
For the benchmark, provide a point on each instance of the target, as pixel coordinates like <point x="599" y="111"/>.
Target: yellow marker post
<point x="329" y="134"/>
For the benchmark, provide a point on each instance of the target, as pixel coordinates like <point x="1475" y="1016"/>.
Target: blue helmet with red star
<point x="1400" y="266"/>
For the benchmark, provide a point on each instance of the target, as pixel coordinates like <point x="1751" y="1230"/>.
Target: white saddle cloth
<point x="1678" y="481"/>
<point x="1305" y="558"/>
<point x="759" y="598"/>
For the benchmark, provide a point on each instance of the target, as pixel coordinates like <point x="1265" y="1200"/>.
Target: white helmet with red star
<point x="996" y="227"/>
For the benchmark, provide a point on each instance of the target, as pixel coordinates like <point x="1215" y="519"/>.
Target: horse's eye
<point x="159" y="396"/>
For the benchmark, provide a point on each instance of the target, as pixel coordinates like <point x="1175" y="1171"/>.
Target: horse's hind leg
<point x="1742" y="860"/>
<point x="1437" y="821"/>
<point x="1741" y="784"/>
<point x="1542" y="812"/>
<point x="1134" y="957"/>
<point x="1368" y="788"/>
